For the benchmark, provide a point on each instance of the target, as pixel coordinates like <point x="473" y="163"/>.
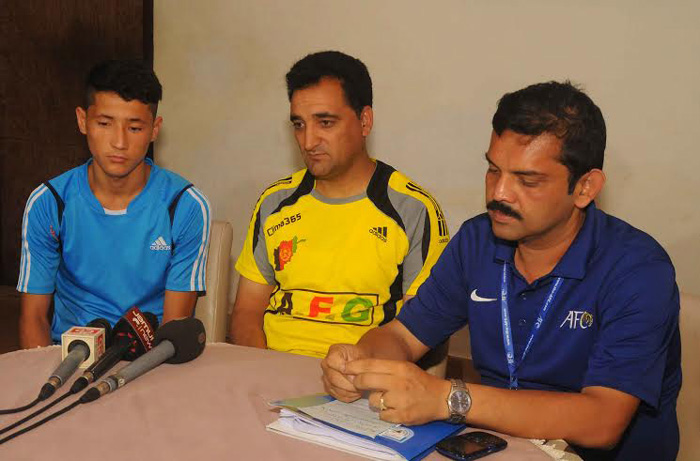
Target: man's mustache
<point x="494" y="205"/>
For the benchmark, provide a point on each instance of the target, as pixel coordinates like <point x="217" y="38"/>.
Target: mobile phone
<point x="472" y="445"/>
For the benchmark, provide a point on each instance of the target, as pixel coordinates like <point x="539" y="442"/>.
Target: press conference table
<point x="213" y="408"/>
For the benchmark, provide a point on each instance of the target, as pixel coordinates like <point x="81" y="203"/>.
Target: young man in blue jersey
<point x="573" y="314"/>
<point x="117" y="231"/>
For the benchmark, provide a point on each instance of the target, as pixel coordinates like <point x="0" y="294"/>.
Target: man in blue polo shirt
<point x="117" y="231"/>
<point x="573" y="307"/>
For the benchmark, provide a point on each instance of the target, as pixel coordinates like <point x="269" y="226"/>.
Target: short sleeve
<point x="253" y="263"/>
<point x="425" y="227"/>
<point x="638" y="318"/>
<point x="191" y="230"/>
<point x="40" y="255"/>
<point x="425" y="246"/>
<point x="440" y="307"/>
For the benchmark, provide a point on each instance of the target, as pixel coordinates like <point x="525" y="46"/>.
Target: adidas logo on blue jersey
<point x="160" y="245"/>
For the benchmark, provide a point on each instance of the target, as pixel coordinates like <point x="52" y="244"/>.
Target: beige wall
<point x="438" y="69"/>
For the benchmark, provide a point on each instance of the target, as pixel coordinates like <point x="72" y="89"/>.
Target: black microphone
<point x="133" y="335"/>
<point x="81" y="343"/>
<point x="177" y="341"/>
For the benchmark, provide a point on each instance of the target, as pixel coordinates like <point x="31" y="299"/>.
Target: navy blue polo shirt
<point x="613" y="323"/>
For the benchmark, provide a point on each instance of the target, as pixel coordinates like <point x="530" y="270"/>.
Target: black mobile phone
<point x="472" y="445"/>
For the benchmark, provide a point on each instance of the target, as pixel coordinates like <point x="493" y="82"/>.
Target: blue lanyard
<point x="508" y="337"/>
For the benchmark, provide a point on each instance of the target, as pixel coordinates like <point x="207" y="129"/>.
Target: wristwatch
<point x="458" y="402"/>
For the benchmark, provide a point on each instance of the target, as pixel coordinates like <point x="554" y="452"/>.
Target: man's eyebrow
<point x="529" y="173"/>
<point x="326" y="115"/>
<point x="317" y="116"/>
<point x="130" y="120"/>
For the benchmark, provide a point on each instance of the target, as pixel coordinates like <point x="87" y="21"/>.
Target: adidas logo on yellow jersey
<point x="379" y="232"/>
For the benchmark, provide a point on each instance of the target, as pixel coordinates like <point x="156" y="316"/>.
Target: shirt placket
<point x="524" y="308"/>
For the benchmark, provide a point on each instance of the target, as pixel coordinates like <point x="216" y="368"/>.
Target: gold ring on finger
<point x="382" y="405"/>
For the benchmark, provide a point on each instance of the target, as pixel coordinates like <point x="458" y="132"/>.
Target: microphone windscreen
<point x="187" y="336"/>
<point x="102" y="323"/>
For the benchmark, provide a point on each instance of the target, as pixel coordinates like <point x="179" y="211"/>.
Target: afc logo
<point x="577" y="320"/>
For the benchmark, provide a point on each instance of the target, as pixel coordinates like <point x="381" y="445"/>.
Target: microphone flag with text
<point x="177" y="341"/>
<point x="80" y="347"/>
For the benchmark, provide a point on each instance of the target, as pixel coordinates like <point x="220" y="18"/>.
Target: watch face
<point x="460" y="401"/>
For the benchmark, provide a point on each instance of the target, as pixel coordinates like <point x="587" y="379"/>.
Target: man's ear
<point x="588" y="187"/>
<point x="156" y="128"/>
<point x="81" y="117"/>
<point x="367" y="120"/>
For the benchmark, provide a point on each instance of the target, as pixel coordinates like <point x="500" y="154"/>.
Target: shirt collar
<point x="135" y="202"/>
<point x="573" y="263"/>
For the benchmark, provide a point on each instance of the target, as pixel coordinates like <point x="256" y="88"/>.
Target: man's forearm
<point x="580" y="418"/>
<point x="387" y="342"/>
<point x="33" y="332"/>
<point x="178" y="304"/>
<point x="246" y="330"/>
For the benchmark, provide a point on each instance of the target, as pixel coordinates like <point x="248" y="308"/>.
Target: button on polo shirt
<point x="613" y="323"/>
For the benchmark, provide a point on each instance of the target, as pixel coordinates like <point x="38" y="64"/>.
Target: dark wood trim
<point x="148" y="46"/>
<point x="148" y="31"/>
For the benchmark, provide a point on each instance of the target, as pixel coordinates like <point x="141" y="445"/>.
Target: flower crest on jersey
<point x="285" y="251"/>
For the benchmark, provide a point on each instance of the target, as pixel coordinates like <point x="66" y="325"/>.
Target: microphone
<point x="133" y="335"/>
<point x="177" y="341"/>
<point x="81" y="346"/>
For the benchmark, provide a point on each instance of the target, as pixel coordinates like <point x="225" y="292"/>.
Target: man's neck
<point x="116" y="193"/>
<point x="352" y="182"/>
<point x="537" y="257"/>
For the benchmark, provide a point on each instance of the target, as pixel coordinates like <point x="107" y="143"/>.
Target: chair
<point x="688" y="406"/>
<point x="460" y="364"/>
<point x="212" y="309"/>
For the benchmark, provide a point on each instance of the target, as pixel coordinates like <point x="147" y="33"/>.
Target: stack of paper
<point x="355" y="428"/>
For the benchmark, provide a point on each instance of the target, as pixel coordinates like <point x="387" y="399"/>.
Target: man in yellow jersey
<point x="332" y="250"/>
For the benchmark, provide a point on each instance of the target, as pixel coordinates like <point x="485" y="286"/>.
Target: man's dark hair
<point x="566" y="112"/>
<point x="350" y="72"/>
<point x="129" y="79"/>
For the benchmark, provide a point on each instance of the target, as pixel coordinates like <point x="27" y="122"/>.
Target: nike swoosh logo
<point x="479" y="299"/>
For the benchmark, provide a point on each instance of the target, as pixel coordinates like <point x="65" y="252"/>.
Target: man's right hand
<point x="335" y="381"/>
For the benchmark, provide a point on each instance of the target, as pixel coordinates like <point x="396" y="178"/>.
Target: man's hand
<point x="336" y="382"/>
<point x="409" y="394"/>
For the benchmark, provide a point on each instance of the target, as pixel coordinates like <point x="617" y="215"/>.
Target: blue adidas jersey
<point x="98" y="263"/>
<point x="613" y="323"/>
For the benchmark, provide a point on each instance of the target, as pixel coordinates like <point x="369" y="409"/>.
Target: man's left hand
<point x="409" y="395"/>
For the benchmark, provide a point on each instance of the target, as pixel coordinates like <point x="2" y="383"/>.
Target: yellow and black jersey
<point x="339" y="266"/>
